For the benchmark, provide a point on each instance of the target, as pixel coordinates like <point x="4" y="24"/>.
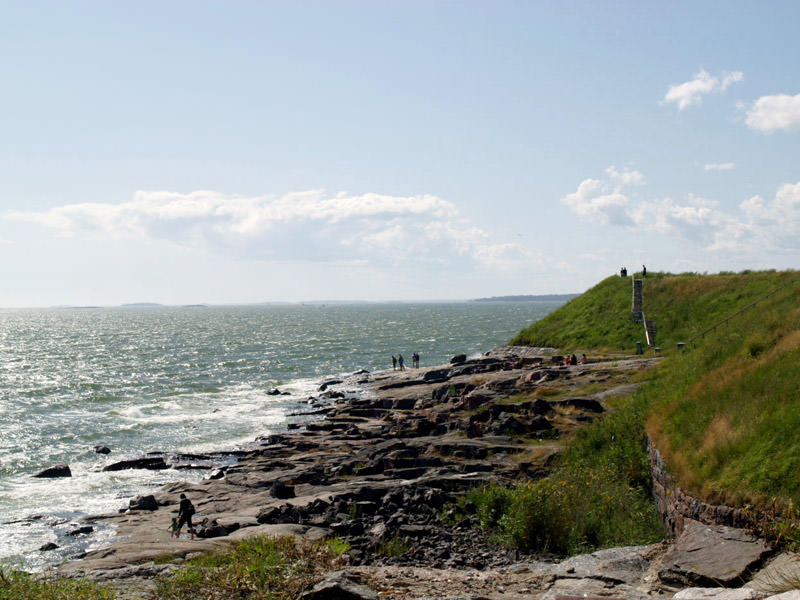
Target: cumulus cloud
<point x="774" y="113"/>
<point x="691" y="92"/>
<point x="727" y="166"/>
<point x="626" y="177"/>
<point x="596" y="200"/>
<point x="758" y="225"/>
<point x="309" y="225"/>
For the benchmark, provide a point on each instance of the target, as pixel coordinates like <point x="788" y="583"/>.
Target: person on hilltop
<point x="185" y="512"/>
<point x="644" y="271"/>
<point x="394" y="362"/>
<point x="401" y="361"/>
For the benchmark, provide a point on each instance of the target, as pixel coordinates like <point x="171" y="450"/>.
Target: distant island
<point x="141" y="304"/>
<point x="540" y="298"/>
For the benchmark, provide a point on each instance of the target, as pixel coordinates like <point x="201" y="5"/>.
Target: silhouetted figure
<point x="185" y="512"/>
<point x="394" y="363"/>
<point x="644" y="271"/>
<point x="401" y="361"/>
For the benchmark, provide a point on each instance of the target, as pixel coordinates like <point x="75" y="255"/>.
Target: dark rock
<point x="329" y="382"/>
<point x="143" y="503"/>
<point x="102" y="449"/>
<point x="458" y="359"/>
<point x="154" y="463"/>
<point x="281" y="491"/>
<point x="55" y="471"/>
<point x="216" y="474"/>
<point x="86" y="529"/>
<point x="47" y="547"/>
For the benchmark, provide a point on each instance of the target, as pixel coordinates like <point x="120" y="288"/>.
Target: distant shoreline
<point x="523" y="298"/>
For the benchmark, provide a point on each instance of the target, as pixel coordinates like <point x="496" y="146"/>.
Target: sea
<point x="190" y="379"/>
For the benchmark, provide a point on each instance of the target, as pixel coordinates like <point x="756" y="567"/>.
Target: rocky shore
<point x="379" y="460"/>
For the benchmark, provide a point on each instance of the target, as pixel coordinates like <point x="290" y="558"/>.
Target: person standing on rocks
<point x="401" y="361"/>
<point x="394" y="363"/>
<point x="415" y="360"/>
<point x="185" y="512"/>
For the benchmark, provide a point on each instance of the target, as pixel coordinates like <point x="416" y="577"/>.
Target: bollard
<point x="639" y="348"/>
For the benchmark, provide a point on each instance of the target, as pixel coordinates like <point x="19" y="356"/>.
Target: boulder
<point x="281" y="491"/>
<point x="47" y="547"/>
<point x="712" y="555"/>
<point x="153" y="463"/>
<point x="339" y="586"/>
<point x="55" y="471"/>
<point x="102" y="450"/>
<point x="147" y="502"/>
<point x="458" y="359"/>
<point x="86" y="529"/>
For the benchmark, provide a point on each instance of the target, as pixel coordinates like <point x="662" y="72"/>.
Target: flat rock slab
<point x="618" y="565"/>
<point x="712" y="556"/>
<point x="696" y="593"/>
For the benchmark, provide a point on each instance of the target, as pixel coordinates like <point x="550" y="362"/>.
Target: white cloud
<point x="774" y="113"/>
<point x="308" y="225"/>
<point x="758" y="226"/>
<point x="691" y="92"/>
<point x="626" y="177"/>
<point x="595" y="200"/>
<point x="727" y="166"/>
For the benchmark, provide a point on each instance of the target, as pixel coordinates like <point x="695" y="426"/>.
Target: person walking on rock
<point x="185" y="512"/>
<point x="401" y="361"/>
<point x="394" y="363"/>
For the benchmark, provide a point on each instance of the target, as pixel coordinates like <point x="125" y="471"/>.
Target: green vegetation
<point x="257" y="567"/>
<point x="18" y="585"/>
<point x="598" y="496"/>
<point x="393" y="547"/>
<point x="682" y="306"/>
<point x="724" y="412"/>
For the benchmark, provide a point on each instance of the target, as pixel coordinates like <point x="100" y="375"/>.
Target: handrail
<point x="741" y="310"/>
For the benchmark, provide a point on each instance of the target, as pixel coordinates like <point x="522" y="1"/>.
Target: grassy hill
<point x="725" y="410"/>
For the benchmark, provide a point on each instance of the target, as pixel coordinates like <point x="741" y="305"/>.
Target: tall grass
<point x="598" y="496"/>
<point x="258" y="568"/>
<point x="19" y="585"/>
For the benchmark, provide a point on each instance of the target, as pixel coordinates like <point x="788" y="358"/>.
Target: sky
<point x="218" y="152"/>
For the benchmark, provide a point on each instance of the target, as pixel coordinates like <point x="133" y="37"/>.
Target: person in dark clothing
<point x="185" y="512"/>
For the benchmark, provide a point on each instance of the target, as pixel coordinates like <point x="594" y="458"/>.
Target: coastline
<point x="392" y="452"/>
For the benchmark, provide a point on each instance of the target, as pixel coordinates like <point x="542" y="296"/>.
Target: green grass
<point x="258" y="567"/>
<point x="598" y="496"/>
<point x="681" y="305"/>
<point x="725" y="411"/>
<point x="18" y="585"/>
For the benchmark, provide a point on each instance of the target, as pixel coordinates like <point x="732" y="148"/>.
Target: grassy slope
<point x="725" y="412"/>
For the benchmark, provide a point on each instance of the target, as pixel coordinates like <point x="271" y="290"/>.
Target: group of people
<point x="185" y="512"/>
<point x="623" y="271"/>
<point x="399" y="361"/>
<point x="573" y="360"/>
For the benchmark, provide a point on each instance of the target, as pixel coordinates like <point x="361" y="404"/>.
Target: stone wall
<point x="675" y="505"/>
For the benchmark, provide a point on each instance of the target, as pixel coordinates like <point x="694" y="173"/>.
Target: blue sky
<point x="228" y="152"/>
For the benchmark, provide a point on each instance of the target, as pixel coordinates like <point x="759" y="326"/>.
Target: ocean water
<point x="183" y="379"/>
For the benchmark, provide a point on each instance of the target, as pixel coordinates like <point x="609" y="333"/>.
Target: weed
<point x="394" y="547"/>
